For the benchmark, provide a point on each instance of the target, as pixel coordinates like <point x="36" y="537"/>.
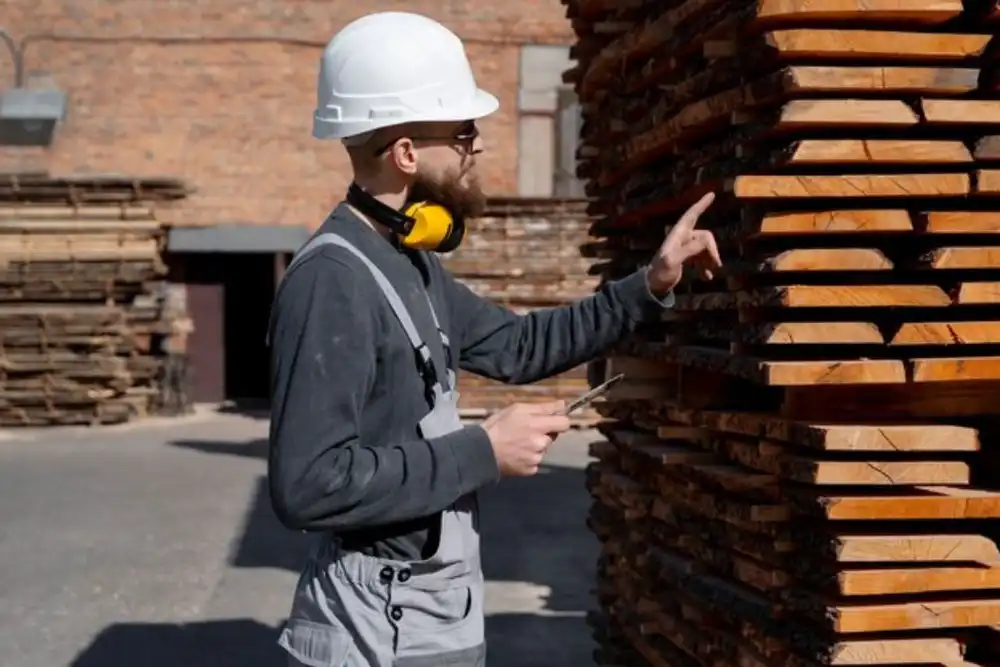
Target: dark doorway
<point x="229" y="299"/>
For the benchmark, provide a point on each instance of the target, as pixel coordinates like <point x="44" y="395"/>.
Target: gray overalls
<point x="353" y="610"/>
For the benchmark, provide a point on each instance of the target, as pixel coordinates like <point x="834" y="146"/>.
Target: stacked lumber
<point x="523" y="253"/>
<point x="86" y="328"/>
<point x="43" y="188"/>
<point x="746" y="538"/>
<point x="796" y="470"/>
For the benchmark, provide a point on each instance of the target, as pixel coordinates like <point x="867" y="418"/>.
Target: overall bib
<point x="353" y="610"/>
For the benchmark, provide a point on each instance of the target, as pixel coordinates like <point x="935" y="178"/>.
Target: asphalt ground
<point x="154" y="545"/>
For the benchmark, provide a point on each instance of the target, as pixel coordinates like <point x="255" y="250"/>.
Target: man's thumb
<point x="547" y="407"/>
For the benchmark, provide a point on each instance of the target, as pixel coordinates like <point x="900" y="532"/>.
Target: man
<point x="367" y="330"/>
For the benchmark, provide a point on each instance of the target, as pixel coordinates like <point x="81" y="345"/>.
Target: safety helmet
<point x="390" y="68"/>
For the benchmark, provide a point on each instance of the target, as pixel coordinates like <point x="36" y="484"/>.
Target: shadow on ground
<point x="249" y="643"/>
<point x="254" y="408"/>
<point x="537" y="555"/>
<point x="263" y="541"/>
<point x="230" y="643"/>
<point x="534" y="533"/>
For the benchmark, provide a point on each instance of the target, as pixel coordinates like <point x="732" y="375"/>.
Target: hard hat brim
<point x="481" y="105"/>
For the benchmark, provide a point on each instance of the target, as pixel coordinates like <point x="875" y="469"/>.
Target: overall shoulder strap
<point x="431" y="374"/>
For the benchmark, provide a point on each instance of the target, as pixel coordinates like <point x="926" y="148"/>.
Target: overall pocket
<point x="437" y="610"/>
<point x="316" y="644"/>
<point x="446" y="624"/>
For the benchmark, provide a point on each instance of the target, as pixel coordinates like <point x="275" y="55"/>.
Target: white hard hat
<point x="390" y="68"/>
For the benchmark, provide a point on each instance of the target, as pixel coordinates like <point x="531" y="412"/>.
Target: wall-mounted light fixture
<point x="28" y="117"/>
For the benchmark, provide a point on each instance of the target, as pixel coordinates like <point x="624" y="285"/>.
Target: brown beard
<point x="463" y="201"/>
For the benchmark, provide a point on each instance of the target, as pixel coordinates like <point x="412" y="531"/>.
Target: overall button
<point x="403" y="576"/>
<point x="386" y="574"/>
<point x="396" y="613"/>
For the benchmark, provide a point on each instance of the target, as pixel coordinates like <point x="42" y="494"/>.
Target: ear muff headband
<point x="421" y="226"/>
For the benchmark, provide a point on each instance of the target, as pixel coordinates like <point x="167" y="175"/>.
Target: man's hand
<point x="522" y="432"/>
<point x="685" y="244"/>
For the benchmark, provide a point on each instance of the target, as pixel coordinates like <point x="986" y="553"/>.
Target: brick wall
<point x="167" y="88"/>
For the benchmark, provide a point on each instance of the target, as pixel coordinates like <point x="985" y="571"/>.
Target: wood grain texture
<point x="797" y="469"/>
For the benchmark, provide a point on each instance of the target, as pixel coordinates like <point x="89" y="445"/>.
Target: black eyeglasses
<point x="464" y="136"/>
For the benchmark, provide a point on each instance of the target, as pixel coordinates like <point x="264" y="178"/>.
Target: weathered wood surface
<point x="904" y="260"/>
<point x="89" y="331"/>
<point x="102" y="190"/>
<point x="742" y="514"/>
<point x="799" y="466"/>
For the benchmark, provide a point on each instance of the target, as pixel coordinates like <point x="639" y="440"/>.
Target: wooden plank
<point x="916" y="651"/>
<point x="947" y="333"/>
<point x="918" y="580"/>
<point x="961" y="112"/>
<point x="856" y="296"/>
<point x="978" y="293"/>
<point x="919" y="80"/>
<point x="879" y="151"/>
<point x="964" y="258"/>
<point x="987" y="149"/>
<point x="825" y="259"/>
<point x="917" y="12"/>
<point x="796" y="373"/>
<point x="809" y="333"/>
<point x="830" y="44"/>
<point x="917" y="548"/>
<point x="884" y="437"/>
<point x="913" y="401"/>
<point x="988" y="181"/>
<point x="820" y="113"/>
<point x="27" y="212"/>
<point x="962" y="369"/>
<point x="656" y="451"/>
<point x="933" y="502"/>
<point x="780" y="461"/>
<point x="675" y="432"/>
<point x="638" y="369"/>
<point x="809" y="373"/>
<point x="915" y="615"/>
<point x="834" y="222"/>
<point x="962" y="222"/>
<point x="850" y="186"/>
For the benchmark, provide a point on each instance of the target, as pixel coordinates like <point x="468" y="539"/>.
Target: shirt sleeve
<point x="500" y="344"/>
<point x="322" y="474"/>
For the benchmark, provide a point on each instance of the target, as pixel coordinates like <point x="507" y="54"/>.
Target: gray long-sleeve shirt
<point x="347" y="395"/>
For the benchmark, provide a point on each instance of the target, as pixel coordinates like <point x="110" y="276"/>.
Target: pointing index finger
<point x="690" y="217"/>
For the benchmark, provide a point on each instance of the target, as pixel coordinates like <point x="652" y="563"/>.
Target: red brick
<point x="168" y="89"/>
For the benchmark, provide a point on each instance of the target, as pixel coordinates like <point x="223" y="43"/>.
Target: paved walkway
<point x="154" y="545"/>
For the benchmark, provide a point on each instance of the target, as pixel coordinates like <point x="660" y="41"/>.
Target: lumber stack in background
<point x="524" y="253"/>
<point x="90" y="332"/>
<point x="800" y="467"/>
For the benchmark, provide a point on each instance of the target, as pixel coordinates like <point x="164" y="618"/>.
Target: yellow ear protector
<point x="420" y="226"/>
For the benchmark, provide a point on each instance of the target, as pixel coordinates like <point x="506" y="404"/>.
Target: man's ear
<point x="404" y="154"/>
